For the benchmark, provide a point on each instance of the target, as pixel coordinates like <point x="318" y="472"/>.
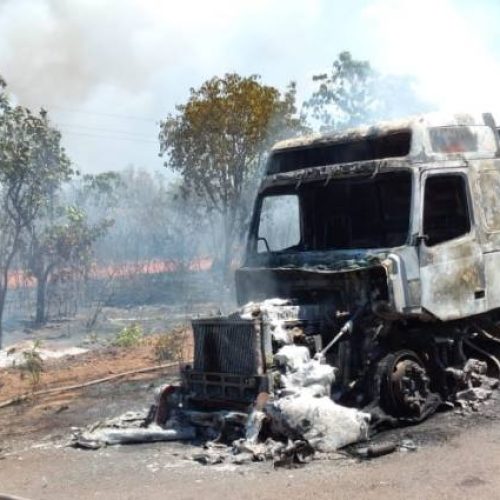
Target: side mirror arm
<point x="260" y="238"/>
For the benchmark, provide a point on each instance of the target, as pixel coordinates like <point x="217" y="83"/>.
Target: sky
<point x="109" y="70"/>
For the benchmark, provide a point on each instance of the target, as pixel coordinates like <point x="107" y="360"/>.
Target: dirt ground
<point x="456" y="456"/>
<point x="94" y="364"/>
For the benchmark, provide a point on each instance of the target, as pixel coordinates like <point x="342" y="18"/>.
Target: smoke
<point x="85" y="60"/>
<point x="63" y="51"/>
<point x="140" y="57"/>
<point x="447" y="46"/>
<point x="47" y="51"/>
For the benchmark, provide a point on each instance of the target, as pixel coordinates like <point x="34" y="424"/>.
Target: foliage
<point x="62" y="242"/>
<point x="33" y="363"/>
<point x="354" y="93"/>
<point x="171" y="345"/>
<point x="70" y="239"/>
<point x="218" y="139"/>
<point x="343" y="97"/>
<point x="151" y="221"/>
<point x="32" y="165"/>
<point x="99" y="190"/>
<point x="129" y="336"/>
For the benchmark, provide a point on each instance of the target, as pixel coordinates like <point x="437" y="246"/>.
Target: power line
<point x="99" y="129"/>
<point x="100" y="113"/>
<point x="104" y="137"/>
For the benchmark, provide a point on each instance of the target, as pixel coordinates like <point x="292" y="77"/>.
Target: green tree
<point x="64" y="242"/>
<point x="353" y="93"/>
<point x="218" y="140"/>
<point x="32" y="164"/>
<point x="99" y="191"/>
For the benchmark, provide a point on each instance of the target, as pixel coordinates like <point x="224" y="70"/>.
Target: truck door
<point x="451" y="260"/>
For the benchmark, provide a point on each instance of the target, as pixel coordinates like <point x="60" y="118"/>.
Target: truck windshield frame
<point x="393" y="144"/>
<point x="343" y="214"/>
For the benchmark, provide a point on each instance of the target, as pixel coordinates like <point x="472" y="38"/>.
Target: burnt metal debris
<point x="383" y="246"/>
<point x="388" y="234"/>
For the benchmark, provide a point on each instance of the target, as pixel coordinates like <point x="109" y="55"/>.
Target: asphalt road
<point x="466" y="466"/>
<point x="456" y="457"/>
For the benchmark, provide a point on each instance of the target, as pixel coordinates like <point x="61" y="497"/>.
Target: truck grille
<point x="224" y="345"/>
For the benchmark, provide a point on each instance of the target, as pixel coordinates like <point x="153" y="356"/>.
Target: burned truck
<point x="379" y="250"/>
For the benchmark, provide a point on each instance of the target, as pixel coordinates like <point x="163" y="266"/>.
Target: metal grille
<point x="222" y="345"/>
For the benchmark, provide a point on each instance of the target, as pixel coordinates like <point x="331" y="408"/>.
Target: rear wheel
<point x="405" y="386"/>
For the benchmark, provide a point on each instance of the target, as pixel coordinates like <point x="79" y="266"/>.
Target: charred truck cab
<point x="383" y="246"/>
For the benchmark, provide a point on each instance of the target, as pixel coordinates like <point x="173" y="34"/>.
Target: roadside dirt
<point x="28" y="421"/>
<point x="82" y="368"/>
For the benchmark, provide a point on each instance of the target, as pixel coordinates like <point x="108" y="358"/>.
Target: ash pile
<point x="289" y="419"/>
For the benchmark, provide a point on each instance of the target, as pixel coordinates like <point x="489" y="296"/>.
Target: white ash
<point x="13" y="356"/>
<point x="274" y="313"/>
<point x="305" y="409"/>
<point x="303" y="374"/>
<point x="325" y="425"/>
<point x="128" y="428"/>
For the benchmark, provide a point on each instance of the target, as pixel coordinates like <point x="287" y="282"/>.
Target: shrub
<point x="171" y="346"/>
<point x="130" y="336"/>
<point x="33" y="363"/>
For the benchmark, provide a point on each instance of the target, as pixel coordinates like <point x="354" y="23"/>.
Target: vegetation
<point x="171" y="346"/>
<point x="353" y="93"/>
<point x="33" y="363"/>
<point x="81" y="239"/>
<point x="129" y="336"/>
<point x="63" y="243"/>
<point x="32" y="164"/>
<point x="218" y="140"/>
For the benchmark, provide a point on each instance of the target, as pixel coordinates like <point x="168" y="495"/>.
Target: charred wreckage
<point x="371" y="278"/>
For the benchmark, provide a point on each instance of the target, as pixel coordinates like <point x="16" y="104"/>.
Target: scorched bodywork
<point x="383" y="247"/>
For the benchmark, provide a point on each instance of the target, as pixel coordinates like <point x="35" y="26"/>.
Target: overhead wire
<point x="105" y="137"/>
<point x="99" y="129"/>
<point x="102" y="113"/>
<point x="103" y="133"/>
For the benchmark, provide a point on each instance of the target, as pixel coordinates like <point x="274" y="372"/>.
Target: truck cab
<point x="378" y="248"/>
<point x="418" y="197"/>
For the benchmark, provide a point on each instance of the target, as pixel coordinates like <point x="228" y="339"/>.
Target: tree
<point x="99" y="191"/>
<point x="217" y="142"/>
<point x="188" y="236"/>
<point x="61" y="243"/>
<point x="32" y="164"/>
<point x="354" y="93"/>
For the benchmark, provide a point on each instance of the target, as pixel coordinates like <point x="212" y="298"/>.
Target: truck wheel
<point x="404" y="385"/>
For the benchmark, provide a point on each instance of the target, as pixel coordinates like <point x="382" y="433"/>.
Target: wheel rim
<point x="407" y="388"/>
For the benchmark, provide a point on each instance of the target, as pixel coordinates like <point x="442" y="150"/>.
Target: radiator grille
<point x="223" y="345"/>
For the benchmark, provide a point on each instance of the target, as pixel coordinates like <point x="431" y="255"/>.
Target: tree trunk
<point x="41" y="286"/>
<point x="228" y="247"/>
<point x="41" y="297"/>
<point x="3" y="295"/>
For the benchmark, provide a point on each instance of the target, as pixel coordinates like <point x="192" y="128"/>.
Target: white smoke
<point x="135" y="58"/>
<point x="447" y="45"/>
<point x="139" y="58"/>
<point x="66" y="49"/>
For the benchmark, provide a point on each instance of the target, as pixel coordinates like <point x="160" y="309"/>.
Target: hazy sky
<point x="109" y="70"/>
